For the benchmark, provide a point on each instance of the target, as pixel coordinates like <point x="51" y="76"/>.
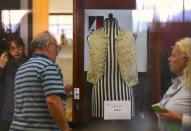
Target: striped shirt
<point x="37" y="78"/>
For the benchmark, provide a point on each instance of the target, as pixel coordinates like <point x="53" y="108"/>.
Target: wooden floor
<point x="141" y="122"/>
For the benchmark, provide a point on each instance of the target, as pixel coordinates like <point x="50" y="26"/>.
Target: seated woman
<point x="177" y="99"/>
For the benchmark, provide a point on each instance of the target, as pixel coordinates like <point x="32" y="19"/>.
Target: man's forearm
<point x="56" y="109"/>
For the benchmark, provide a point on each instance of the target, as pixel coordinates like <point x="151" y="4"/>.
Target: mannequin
<point x="112" y="67"/>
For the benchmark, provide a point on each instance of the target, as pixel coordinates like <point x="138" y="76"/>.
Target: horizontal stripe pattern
<point x="35" y="80"/>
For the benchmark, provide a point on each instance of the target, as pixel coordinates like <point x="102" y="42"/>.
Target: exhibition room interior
<point x="155" y="26"/>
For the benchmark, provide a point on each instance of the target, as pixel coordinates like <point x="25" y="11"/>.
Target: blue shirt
<point x="37" y="78"/>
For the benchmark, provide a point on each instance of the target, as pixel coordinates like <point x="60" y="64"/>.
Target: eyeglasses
<point x="58" y="49"/>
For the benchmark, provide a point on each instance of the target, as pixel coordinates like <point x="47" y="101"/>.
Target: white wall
<point x="124" y="18"/>
<point x="60" y="6"/>
<point x="24" y="24"/>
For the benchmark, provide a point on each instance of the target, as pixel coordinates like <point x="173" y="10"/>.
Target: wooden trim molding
<point x="60" y="13"/>
<point x="78" y="111"/>
<point x="110" y="4"/>
<point x="10" y="4"/>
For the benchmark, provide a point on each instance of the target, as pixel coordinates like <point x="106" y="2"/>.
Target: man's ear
<point x="48" y="46"/>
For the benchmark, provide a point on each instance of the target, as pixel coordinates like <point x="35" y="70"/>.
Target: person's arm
<point x="186" y="122"/>
<point x="57" y="111"/>
<point x="172" y="116"/>
<point x="3" y="62"/>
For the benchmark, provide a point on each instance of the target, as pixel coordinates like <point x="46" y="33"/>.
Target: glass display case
<point x="156" y="26"/>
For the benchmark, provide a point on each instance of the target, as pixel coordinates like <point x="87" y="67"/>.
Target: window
<point x="61" y="24"/>
<point x="12" y="18"/>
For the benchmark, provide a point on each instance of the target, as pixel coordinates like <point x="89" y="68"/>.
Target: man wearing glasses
<point x="39" y="89"/>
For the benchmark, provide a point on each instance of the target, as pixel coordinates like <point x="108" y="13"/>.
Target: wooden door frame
<point x="79" y="112"/>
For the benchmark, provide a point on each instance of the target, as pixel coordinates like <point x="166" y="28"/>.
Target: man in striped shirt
<point x="39" y="90"/>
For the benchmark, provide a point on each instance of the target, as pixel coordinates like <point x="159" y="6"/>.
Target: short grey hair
<point x="40" y="40"/>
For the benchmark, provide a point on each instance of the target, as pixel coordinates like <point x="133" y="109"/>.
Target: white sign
<point x="76" y="93"/>
<point x="117" y="110"/>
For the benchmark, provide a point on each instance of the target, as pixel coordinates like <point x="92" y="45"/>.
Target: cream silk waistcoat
<point x="126" y="56"/>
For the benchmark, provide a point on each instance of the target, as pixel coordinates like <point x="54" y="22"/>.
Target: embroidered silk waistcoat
<point x="126" y="56"/>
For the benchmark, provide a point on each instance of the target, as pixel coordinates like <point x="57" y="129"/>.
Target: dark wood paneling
<point x="152" y="67"/>
<point x="171" y="32"/>
<point x="78" y="59"/>
<point x="60" y="13"/>
<point x="81" y="107"/>
<point x="30" y="4"/>
<point x="109" y="4"/>
<point x="10" y="4"/>
<point x="1" y="27"/>
<point x="30" y="25"/>
<point x="140" y="92"/>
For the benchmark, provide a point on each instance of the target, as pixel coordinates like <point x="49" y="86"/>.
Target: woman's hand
<point x="172" y="116"/>
<point x="3" y="60"/>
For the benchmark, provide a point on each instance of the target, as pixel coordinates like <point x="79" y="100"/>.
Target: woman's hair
<point x="184" y="45"/>
<point x="40" y="40"/>
<point x="17" y="40"/>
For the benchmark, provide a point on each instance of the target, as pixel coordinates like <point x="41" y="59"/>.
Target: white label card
<point x="76" y="93"/>
<point x="117" y="110"/>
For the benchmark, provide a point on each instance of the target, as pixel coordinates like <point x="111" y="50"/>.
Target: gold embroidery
<point x="126" y="56"/>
